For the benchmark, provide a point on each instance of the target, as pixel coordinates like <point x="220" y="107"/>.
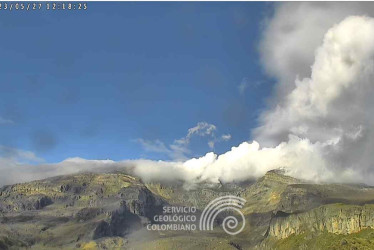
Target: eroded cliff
<point x="333" y="218"/>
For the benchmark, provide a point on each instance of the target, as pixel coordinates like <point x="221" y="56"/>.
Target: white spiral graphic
<point x="216" y="206"/>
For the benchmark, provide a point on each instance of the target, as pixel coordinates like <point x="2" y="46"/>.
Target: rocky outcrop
<point x="137" y="207"/>
<point x="298" y="198"/>
<point x="26" y="203"/>
<point x="141" y="201"/>
<point x="333" y="218"/>
<point x="88" y="209"/>
<point x="98" y="205"/>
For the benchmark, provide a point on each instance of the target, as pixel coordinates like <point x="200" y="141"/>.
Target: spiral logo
<point x="230" y="223"/>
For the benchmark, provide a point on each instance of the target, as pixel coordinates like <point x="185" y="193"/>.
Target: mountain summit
<point x="111" y="210"/>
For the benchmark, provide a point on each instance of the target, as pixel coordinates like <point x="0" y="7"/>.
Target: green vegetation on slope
<point x="324" y="240"/>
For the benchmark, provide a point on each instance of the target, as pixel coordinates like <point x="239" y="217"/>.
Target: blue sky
<point x="92" y="83"/>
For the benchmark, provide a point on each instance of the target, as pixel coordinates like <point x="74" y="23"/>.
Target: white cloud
<point x="215" y="140"/>
<point x="322" y="129"/>
<point x="201" y="129"/>
<point x="211" y="144"/>
<point x="18" y="156"/>
<point x="226" y="137"/>
<point x="154" y="146"/>
<point x="179" y="149"/>
<point x="16" y="165"/>
<point x="320" y="126"/>
<point x="244" y="162"/>
<point x="295" y="31"/>
<point x="333" y="107"/>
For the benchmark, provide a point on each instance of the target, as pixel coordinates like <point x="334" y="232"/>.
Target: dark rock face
<point x="106" y="204"/>
<point x="299" y="198"/>
<point x="136" y="208"/>
<point x="87" y="213"/>
<point x="141" y="201"/>
<point x="42" y="202"/>
<point x="102" y="230"/>
<point x="70" y="211"/>
<point x="123" y="222"/>
<point x="22" y="203"/>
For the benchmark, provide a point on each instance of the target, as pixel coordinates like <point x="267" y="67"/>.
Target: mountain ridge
<point x="108" y="210"/>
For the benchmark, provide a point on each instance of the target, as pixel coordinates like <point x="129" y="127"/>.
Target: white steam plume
<point x="293" y="33"/>
<point x="321" y="128"/>
<point x="321" y="131"/>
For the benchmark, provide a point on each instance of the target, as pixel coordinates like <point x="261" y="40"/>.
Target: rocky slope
<point x="68" y="209"/>
<point x="110" y="211"/>
<point x="333" y="218"/>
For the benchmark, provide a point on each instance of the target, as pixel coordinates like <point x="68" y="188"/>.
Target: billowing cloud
<point x="320" y="125"/>
<point x="322" y="128"/>
<point x="247" y="161"/>
<point x="295" y="31"/>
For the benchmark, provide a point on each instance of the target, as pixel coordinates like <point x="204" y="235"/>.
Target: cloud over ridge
<point x="322" y="129"/>
<point x="320" y="126"/>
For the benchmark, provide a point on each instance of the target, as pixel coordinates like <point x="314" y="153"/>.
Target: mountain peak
<point x="279" y="175"/>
